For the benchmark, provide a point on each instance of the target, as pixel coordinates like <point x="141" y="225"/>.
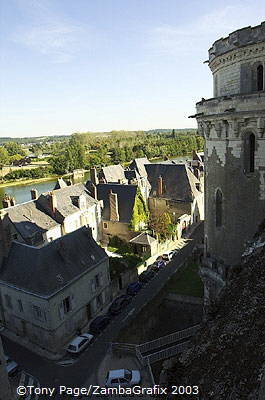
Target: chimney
<point x="94" y="175"/>
<point x="94" y="192"/>
<point x="159" y="186"/>
<point x="6" y="202"/>
<point x="53" y="202"/>
<point x="34" y="194"/>
<point x="5" y="236"/>
<point x="113" y="206"/>
<point x="12" y="201"/>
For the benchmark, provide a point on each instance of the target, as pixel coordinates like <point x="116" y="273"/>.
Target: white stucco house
<point x="48" y="293"/>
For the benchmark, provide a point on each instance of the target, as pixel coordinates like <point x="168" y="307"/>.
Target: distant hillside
<point x="59" y="138"/>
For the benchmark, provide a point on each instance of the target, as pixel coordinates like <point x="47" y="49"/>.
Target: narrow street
<point x="83" y="370"/>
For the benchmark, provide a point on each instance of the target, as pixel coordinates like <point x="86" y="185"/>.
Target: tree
<point x="3" y="156"/>
<point x="160" y="225"/>
<point x="14" y="148"/>
<point x="59" y="164"/>
<point x="75" y="154"/>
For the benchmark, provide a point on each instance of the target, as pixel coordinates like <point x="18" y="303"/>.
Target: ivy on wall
<point x="140" y="212"/>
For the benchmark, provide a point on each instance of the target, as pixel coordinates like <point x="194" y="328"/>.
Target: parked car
<point x="99" y="324"/>
<point x="160" y="264"/>
<point x="167" y="256"/>
<point x="79" y="343"/>
<point x="155" y="268"/>
<point x="119" y="303"/>
<point x="123" y="377"/>
<point x="133" y="288"/>
<point x="173" y="253"/>
<point x="11" y="366"/>
<point x="146" y="276"/>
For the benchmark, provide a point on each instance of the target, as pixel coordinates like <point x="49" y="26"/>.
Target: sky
<point x="100" y="65"/>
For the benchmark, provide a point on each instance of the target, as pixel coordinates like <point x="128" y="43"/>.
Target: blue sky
<point x="98" y="65"/>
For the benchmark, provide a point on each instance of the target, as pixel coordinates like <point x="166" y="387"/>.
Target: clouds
<point x="47" y="32"/>
<point x="203" y="30"/>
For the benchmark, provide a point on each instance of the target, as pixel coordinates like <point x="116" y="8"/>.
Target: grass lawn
<point x="186" y="281"/>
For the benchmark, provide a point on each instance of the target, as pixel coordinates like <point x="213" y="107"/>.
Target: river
<point x="21" y="193"/>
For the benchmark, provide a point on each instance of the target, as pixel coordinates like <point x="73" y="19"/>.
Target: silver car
<point x="79" y="343"/>
<point x="123" y="377"/>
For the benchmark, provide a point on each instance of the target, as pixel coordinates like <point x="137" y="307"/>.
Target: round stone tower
<point x="233" y="126"/>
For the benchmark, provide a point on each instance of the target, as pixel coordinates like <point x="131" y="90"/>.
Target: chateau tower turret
<point x="233" y="126"/>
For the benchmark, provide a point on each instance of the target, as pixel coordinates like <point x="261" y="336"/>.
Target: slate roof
<point x="126" y="198"/>
<point x="179" y="183"/>
<point x="131" y="175"/>
<point x="139" y="165"/>
<point x="66" y="200"/>
<point x="143" y="238"/>
<point x="45" y="270"/>
<point x="60" y="184"/>
<point x="29" y="218"/>
<point x="112" y="173"/>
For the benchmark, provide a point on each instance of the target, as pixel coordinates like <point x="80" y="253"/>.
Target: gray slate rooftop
<point x="46" y="270"/>
<point x="179" y="183"/>
<point x="29" y="218"/>
<point x="67" y="199"/>
<point x="143" y="239"/>
<point x="112" y="173"/>
<point x="139" y="165"/>
<point x="126" y="198"/>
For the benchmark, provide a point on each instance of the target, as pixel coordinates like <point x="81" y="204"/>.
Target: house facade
<point x="48" y="293"/>
<point x="175" y="190"/>
<point x="49" y="216"/>
<point x="120" y="205"/>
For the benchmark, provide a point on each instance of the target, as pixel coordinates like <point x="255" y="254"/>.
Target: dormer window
<point x="260" y="77"/>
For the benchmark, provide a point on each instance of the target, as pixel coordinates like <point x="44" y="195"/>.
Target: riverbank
<point x="21" y="182"/>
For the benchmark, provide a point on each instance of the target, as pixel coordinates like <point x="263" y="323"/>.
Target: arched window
<point x="260" y="79"/>
<point x="218" y="208"/>
<point x="249" y="153"/>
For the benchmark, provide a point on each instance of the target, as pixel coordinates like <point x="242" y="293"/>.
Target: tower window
<point x="218" y="208"/>
<point x="249" y="152"/>
<point x="260" y="79"/>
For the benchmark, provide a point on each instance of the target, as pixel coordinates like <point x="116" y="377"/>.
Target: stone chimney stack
<point x="159" y="186"/>
<point x="94" y="176"/>
<point x="94" y="192"/>
<point x="113" y="206"/>
<point x="6" y="202"/>
<point x="34" y="194"/>
<point x="5" y="237"/>
<point x="53" y="201"/>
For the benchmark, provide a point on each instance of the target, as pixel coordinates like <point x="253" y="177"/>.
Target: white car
<point x="79" y="343"/>
<point x="123" y="377"/>
<point x="11" y="366"/>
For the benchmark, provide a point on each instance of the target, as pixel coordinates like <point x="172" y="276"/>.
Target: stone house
<point x="112" y="174"/>
<point x="48" y="293"/>
<point x="49" y="216"/>
<point x="144" y="245"/>
<point x="138" y="166"/>
<point x="175" y="190"/>
<point x="120" y="202"/>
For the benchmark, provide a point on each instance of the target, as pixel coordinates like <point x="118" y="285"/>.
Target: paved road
<point x="51" y="374"/>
